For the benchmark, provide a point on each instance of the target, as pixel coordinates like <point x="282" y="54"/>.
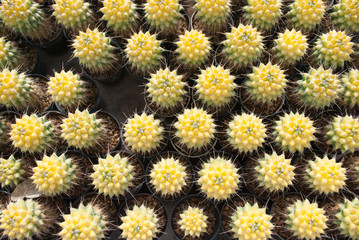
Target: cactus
<point x="345" y="15"/>
<point x="243" y="45"/>
<point x="54" y="174"/>
<point x="306" y="220"/>
<point x="144" y="51"/>
<point x="11" y="171"/>
<point x="266" y="83"/>
<point x="168" y="176"/>
<point x="32" y="133"/>
<point x="213" y="14"/>
<point x="166" y="89"/>
<point x="85" y="222"/>
<point x="290" y="46"/>
<point x="66" y="88"/>
<point x="121" y="15"/>
<point x="294" y="132"/>
<point x="319" y="88"/>
<point x="333" y="49"/>
<point x="350" y="82"/>
<point x="325" y="175"/>
<point x="251" y="222"/>
<point x="113" y="175"/>
<point x="263" y="13"/>
<point x="343" y="133"/>
<point x="9" y="54"/>
<point x="347" y="218"/>
<point x="193" y="48"/>
<point x="140" y="223"/>
<point x="215" y="86"/>
<point x="193" y="222"/>
<point x="73" y="14"/>
<point x="306" y="14"/>
<point x="22" y="219"/>
<point x="82" y="129"/>
<point x="218" y="178"/>
<point x="195" y="128"/>
<point x="274" y="172"/>
<point x="143" y="133"/>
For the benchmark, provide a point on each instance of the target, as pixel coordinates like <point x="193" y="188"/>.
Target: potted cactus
<point x="12" y="171"/>
<point x="345" y="218"/>
<point x="350" y="82"/>
<point x="344" y="15"/>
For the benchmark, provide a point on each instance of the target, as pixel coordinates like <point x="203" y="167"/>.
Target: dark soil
<point x="214" y="32"/>
<point x="42" y="96"/>
<point x="28" y="56"/>
<point x="6" y="147"/>
<point x="350" y="162"/>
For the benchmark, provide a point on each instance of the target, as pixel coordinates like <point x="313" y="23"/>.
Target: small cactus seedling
<point x="347" y="218"/>
<point x="168" y="176"/>
<point x="54" y="174"/>
<point x="11" y="171"/>
<point x="263" y="13"/>
<point x="274" y="172"/>
<point x="113" y="175"/>
<point x="121" y="15"/>
<point x="306" y="14"/>
<point x="218" y="178"/>
<point x="350" y="82"/>
<point x="193" y="48"/>
<point x="143" y="133"/>
<point x="85" y="222"/>
<point x="343" y="133"/>
<point x="140" y="223"/>
<point x="215" y="86"/>
<point x="144" y="51"/>
<point x="195" y="128"/>
<point x="325" y="175"/>
<point x="243" y="45"/>
<point x="266" y="83"/>
<point x="246" y="132"/>
<point x="193" y="222"/>
<point x="32" y="133"/>
<point x="294" y="132"/>
<point x="306" y="220"/>
<point x="333" y="49"/>
<point x="290" y="46"/>
<point x="319" y="88"/>
<point x="345" y="15"/>
<point x="213" y="14"/>
<point x="9" y="54"/>
<point x="251" y="222"/>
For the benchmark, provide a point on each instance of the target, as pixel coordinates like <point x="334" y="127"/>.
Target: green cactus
<point x="9" y="54"/>
<point x="213" y="14"/>
<point x="347" y="218"/>
<point x="350" y="82"/>
<point x="345" y="15"/>
<point x="11" y="171"/>
<point x="306" y="14"/>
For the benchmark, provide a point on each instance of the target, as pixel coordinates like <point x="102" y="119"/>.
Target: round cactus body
<point x="11" y="171"/>
<point x="213" y="13"/>
<point x="347" y="218"/>
<point x="345" y="15"/>
<point x="306" y="14"/>
<point x="9" y="54"/>
<point x="350" y="82"/>
<point x="193" y="222"/>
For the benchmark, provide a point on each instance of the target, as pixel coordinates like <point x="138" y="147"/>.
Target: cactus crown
<point x="213" y="12"/>
<point x="319" y="87"/>
<point x="333" y="48"/>
<point x="113" y="175"/>
<point x="294" y="132"/>
<point x="139" y="223"/>
<point x="350" y="81"/>
<point x="325" y="175"/>
<point x="266" y="83"/>
<point x="243" y="45"/>
<point x="193" y="48"/>
<point x="11" y="171"/>
<point x="54" y="174"/>
<point x="166" y="88"/>
<point x="168" y="176"/>
<point x="66" y="88"/>
<point x="215" y="86"/>
<point x="251" y="222"/>
<point x="195" y="128"/>
<point x="9" y="54"/>
<point x="163" y="15"/>
<point x="345" y="15"/>
<point x="263" y="13"/>
<point x="84" y="222"/>
<point x="81" y="129"/>
<point x="193" y="222"/>
<point x="306" y="14"/>
<point x="347" y="218"/>
<point x="21" y="219"/>
<point x="246" y="132"/>
<point x="143" y="133"/>
<point x="32" y="133"/>
<point x="218" y="178"/>
<point x="343" y="133"/>
<point x="306" y="220"/>
<point x="274" y="172"/>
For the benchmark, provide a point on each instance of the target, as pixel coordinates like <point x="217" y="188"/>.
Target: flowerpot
<point x="6" y="147"/>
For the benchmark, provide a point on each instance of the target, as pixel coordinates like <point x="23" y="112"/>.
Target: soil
<point x="52" y="29"/>
<point x="42" y="97"/>
<point x="214" y="32"/>
<point x="350" y="162"/>
<point x="321" y="123"/>
<point x="59" y="144"/>
<point x="28" y="57"/>
<point x="6" y="147"/>
<point x="4" y="199"/>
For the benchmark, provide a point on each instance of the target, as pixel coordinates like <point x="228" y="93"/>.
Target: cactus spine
<point x="347" y="218"/>
<point x="345" y="15"/>
<point x="193" y="222"/>
<point x="11" y="171"/>
<point x="350" y="82"/>
<point x="306" y="14"/>
<point x="9" y="54"/>
<point x="213" y="13"/>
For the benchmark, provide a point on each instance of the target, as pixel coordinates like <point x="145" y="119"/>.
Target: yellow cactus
<point x="263" y="13"/>
<point x="347" y="218"/>
<point x="306" y="14"/>
<point x="218" y="178"/>
<point x="345" y="15"/>
<point x="306" y="220"/>
<point x="251" y="222"/>
<point x="163" y="15"/>
<point x="350" y="81"/>
<point x="11" y="171"/>
<point x="9" y="54"/>
<point x="213" y="13"/>
<point x="193" y="222"/>
<point x="246" y="132"/>
<point x="274" y="172"/>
